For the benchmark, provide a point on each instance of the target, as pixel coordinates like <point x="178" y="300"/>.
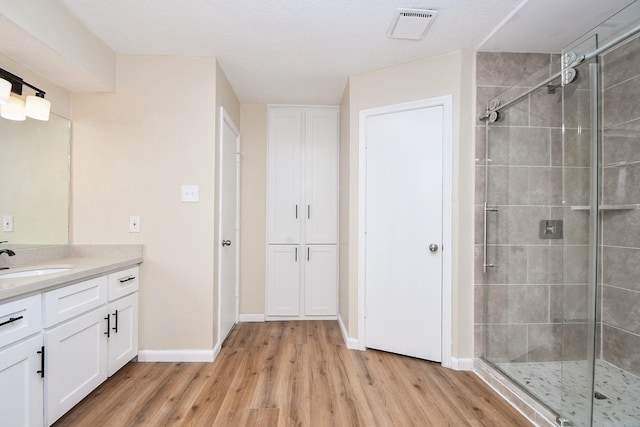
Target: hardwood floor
<point x="293" y="374"/>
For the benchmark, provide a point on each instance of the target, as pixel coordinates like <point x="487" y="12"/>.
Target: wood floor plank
<point x="295" y="373"/>
<point x="205" y="407"/>
<point x="263" y="417"/>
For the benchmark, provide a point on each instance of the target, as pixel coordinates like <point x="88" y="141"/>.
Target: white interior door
<point x="403" y="276"/>
<point x="228" y="185"/>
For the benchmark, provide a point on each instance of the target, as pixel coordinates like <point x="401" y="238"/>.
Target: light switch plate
<point x="134" y="224"/>
<point x="7" y="222"/>
<point x="190" y="193"/>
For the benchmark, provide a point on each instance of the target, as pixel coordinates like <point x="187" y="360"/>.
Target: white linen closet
<point x="302" y="212"/>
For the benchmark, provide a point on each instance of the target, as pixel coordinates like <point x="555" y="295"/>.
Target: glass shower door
<point x="530" y="320"/>
<point x="576" y="311"/>
<point x="537" y="293"/>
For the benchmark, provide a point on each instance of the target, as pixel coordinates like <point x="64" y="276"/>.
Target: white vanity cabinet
<point x="91" y="332"/>
<point x="123" y="318"/>
<point x="21" y="362"/>
<point x="302" y="212"/>
<point x="75" y="362"/>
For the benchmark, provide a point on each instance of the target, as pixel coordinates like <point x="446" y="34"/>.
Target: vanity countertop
<point x="82" y="265"/>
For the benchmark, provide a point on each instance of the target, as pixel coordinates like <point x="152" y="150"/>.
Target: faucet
<point x="8" y="252"/>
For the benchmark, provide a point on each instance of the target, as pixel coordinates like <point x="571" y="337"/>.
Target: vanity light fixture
<point x="14" y="108"/>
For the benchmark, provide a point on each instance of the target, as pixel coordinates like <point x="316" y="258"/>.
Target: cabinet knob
<point x="226" y="243"/>
<point x="433" y="247"/>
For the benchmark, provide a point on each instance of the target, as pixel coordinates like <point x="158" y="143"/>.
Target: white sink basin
<point x="34" y="272"/>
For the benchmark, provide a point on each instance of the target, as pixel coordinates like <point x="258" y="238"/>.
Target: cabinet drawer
<point x="19" y="319"/>
<point x="65" y="303"/>
<point x="123" y="283"/>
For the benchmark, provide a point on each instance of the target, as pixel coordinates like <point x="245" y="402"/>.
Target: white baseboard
<point x="463" y="364"/>
<point x="251" y="318"/>
<point x="351" y="343"/>
<point x="178" y="355"/>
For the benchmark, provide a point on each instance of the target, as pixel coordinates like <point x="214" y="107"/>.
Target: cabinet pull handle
<point x="307" y="253"/>
<point x="127" y="279"/>
<point x="296" y="211"/>
<point x="296" y="255"/>
<point x="41" y="353"/>
<point x="108" y="319"/>
<point x="115" y="329"/>
<point x="11" y="320"/>
<point x="308" y="211"/>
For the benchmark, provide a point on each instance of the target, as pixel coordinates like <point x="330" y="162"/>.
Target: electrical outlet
<point x="134" y="224"/>
<point x="7" y="223"/>
<point x="189" y="193"/>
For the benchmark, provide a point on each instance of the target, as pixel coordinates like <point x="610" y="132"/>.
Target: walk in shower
<point x="558" y="220"/>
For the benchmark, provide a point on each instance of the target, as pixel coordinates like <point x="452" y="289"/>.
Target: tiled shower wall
<point x="621" y="193"/>
<point x="522" y="311"/>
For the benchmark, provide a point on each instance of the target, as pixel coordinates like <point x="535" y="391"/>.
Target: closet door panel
<point x="283" y="280"/>
<point x="320" y="279"/>
<point x="321" y="176"/>
<point x="284" y="173"/>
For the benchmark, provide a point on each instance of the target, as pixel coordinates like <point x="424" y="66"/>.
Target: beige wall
<point x="450" y="74"/>
<point x="343" y="243"/>
<point x="132" y="151"/>
<point x="253" y="202"/>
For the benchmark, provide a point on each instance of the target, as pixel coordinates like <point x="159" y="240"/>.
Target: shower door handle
<point x="486" y="264"/>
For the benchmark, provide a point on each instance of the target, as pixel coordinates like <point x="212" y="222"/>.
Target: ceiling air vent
<point x="410" y="24"/>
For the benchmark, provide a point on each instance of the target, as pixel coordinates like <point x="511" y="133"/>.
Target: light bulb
<point x="5" y="91"/>
<point x="37" y="108"/>
<point x="13" y="109"/>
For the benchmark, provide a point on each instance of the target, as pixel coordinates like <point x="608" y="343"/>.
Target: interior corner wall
<point x="132" y="150"/>
<point x="253" y="209"/>
<point x="443" y="75"/>
<point x="343" y="217"/>
<point x="227" y="99"/>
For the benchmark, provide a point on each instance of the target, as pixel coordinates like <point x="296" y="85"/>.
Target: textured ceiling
<point x="291" y="51"/>
<point x="286" y="51"/>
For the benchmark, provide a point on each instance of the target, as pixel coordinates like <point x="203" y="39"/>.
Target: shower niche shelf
<point x="606" y="207"/>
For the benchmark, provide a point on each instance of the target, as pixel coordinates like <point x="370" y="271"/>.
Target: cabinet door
<point x="21" y="384"/>
<point x="123" y="337"/>
<point x="320" y="280"/>
<point x="76" y="361"/>
<point x="321" y="176"/>
<point x="284" y="189"/>
<point x="283" y="280"/>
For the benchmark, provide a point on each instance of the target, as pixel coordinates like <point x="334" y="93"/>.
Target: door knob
<point x="226" y="243"/>
<point x="433" y="247"/>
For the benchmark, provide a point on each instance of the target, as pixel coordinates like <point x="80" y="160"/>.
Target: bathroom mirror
<point x="34" y="194"/>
